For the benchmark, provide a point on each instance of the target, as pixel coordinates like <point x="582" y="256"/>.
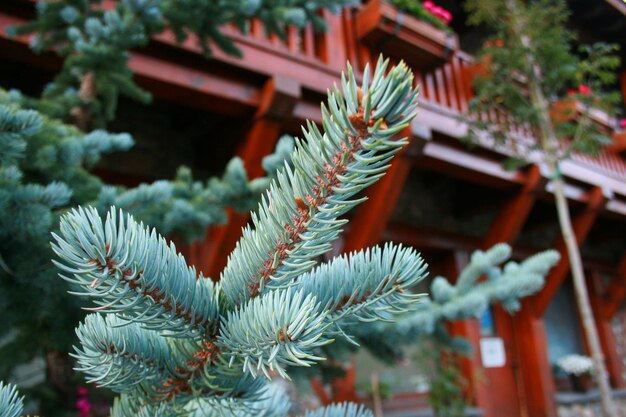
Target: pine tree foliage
<point x="573" y="80"/>
<point x="170" y="342"/>
<point x="300" y="215"/>
<point x="10" y="404"/>
<point x="469" y="297"/>
<point x="95" y="40"/>
<point x="44" y="170"/>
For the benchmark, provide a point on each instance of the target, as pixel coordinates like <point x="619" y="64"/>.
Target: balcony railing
<point x="315" y="60"/>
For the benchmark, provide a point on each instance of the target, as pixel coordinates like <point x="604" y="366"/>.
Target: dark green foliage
<point x="415" y="9"/>
<point x="584" y="76"/>
<point x="439" y="359"/>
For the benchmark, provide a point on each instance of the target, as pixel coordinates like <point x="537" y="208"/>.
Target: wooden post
<point x="470" y="329"/>
<point x="613" y="362"/>
<point x="582" y="224"/>
<point x="534" y="370"/>
<point x="513" y="215"/>
<point x="331" y="43"/>
<point x="507" y="384"/>
<point x="372" y="217"/>
<point x="279" y="97"/>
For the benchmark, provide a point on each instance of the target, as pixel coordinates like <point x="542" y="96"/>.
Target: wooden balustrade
<point x="315" y="59"/>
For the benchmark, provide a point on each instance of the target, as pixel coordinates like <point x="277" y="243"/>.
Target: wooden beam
<point x="615" y="294"/>
<point x="514" y="213"/>
<point x="582" y="224"/>
<point x="423" y="238"/>
<point x="533" y="367"/>
<point x="332" y="44"/>
<point x="279" y="98"/>
<point x="473" y="167"/>
<point x="471" y="365"/>
<point x="613" y="361"/>
<point x="372" y="217"/>
<point x="509" y="380"/>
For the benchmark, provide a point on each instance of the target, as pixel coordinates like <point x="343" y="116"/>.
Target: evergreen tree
<point x="172" y="343"/>
<point x="535" y="80"/>
<point x="44" y="163"/>
<point x="43" y="173"/>
<point x="175" y="344"/>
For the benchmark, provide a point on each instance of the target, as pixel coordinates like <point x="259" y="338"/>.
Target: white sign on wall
<point x="492" y="352"/>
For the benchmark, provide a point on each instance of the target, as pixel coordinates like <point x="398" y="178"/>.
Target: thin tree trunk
<point x="86" y="93"/>
<point x="550" y="148"/>
<point x="376" y="398"/>
<point x="582" y="297"/>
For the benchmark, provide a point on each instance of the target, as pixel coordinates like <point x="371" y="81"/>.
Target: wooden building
<point x="439" y="196"/>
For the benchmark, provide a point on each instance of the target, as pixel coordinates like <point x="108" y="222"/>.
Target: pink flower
<point x="622" y="124"/>
<point x="84" y="407"/>
<point x="82" y="391"/>
<point x="584" y="90"/>
<point x="439" y="12"/>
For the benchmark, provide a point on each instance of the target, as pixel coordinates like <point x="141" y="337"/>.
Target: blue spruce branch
<point x="300" y="214"/>
<point x="470" y="297"/>
<point x="10" y="404"/>
<point x="192" y="342"/>
<point x="124" y="267"/>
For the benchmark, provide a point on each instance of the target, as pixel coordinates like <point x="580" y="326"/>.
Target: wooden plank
<point x="308" y="41"/>
<point x="372" y="216"/>
<point x="331" y="43"/>
<point x="190" y="86"/>
<point x="533" y="365"/>
<point x="582" y="224"/>
<point x="348" y="34"/>
<point x="470" y="166"/>
<point x="293" y="39"/>
<point x="507" y="392"/>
